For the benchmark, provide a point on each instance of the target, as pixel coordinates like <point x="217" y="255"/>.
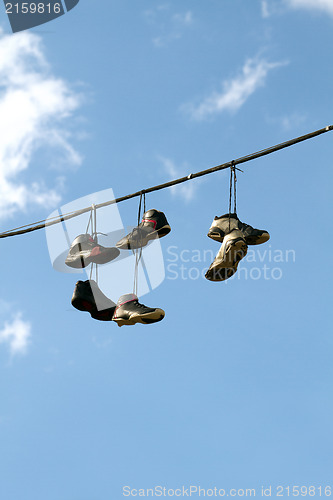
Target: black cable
<point x="55" y="220"/>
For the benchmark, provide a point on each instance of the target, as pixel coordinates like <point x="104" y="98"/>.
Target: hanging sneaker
<point x="129" y="311"/>
<point x="85" y="250"/>
<point x="88" y="297"/>
<point x="154" y="225"/>
<point x="232" y="250"/>
<point x="220" y="227"/>
<point x="253" y="236"/>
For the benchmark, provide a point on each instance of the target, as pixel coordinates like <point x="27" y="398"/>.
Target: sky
<point x="233" y="389"/>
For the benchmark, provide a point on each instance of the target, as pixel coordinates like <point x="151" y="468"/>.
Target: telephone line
<point x="56" y="220"/>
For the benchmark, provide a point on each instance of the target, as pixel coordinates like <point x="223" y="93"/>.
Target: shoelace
<point x="94" y="236"/>
<point x="141" y="305"/>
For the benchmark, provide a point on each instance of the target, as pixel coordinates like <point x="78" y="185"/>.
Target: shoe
<point x="220" y="227"/>
<point x="154" y="225"/>
<point x="129" y="311"/>
<point x="88" y="297"/>
<point x="232" y="250"/>
<point x="84" y="250"/>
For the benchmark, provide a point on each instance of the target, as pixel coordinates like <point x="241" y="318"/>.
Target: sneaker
<point x="232" y="250"/>
<point x="154" y="225"/>
<point x="220" y="227"/>
<point x="129" y="311"/>
<point x="88" y="297"/>
<point x="84" y="250"/>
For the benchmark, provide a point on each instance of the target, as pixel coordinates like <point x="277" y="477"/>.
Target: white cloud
<point x="170" y="25"/>
<point x="235" y="91"/>
<point x="185" y="18"/>
<point x="163" y="41"/>
<point x="293" y="121"/>
<point x="34" y="106"/>
<point x="323" y="5"/>
<point x="17" y="334"/>
<point x="264" y="9"/>
<point x="185" y="190"/>
<point x="151" y="15"/>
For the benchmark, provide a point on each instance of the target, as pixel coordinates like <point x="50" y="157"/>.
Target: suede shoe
<point x="231" y="252"/>
<point x="154" y="225"/>
<point x="129" y="311"/>
<point x="88" y="297"/>
<point x="85" y="250"/>
<point x="220" y="227"/>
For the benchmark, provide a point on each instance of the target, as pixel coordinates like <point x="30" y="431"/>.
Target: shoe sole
<point x="105" y="315"/>
<point x="145" y="319"/>
<point x="249" y="240"/>
<point x="215" y="237"/>
<point x="163" y="231"/>
<point x="257" y="240"/>
<point x="84" y="261"/>
<point x="228" y="266"/>
<point x="84" y="305"/>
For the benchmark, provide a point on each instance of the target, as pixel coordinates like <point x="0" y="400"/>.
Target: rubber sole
<point x="257" y="239"/>
<point x="225" y="266"/>
<point x="84" y="258"/>
<point x="145" y="319"/>
<point x="215" y="236"/>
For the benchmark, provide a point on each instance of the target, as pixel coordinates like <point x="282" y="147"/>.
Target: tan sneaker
<point x="231" y="252"/>
<point x="220" y="227"/>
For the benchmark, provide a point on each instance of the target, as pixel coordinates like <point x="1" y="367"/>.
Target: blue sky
<point x="233" y="389"/>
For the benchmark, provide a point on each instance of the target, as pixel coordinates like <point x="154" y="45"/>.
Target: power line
<point x="34" y="226"/>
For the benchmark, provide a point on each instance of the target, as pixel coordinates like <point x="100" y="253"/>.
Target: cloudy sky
<point x="233" y="388"/>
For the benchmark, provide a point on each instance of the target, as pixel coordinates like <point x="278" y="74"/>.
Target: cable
<point x="55" y="220"/>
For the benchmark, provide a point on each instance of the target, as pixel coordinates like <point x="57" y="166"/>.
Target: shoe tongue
<point x="128" y="297"/>
<point x="82" y="238"/>
<point x="232" y="216"/>
<point x="149" y="213"/>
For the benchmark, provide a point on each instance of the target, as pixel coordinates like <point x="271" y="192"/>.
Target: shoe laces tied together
<point x="140" y="305"/>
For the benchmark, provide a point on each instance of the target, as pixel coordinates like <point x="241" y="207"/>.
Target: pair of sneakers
<point x="235" y="237"/>
<point x="86" y="250"/>
<point x="88" y="297"/>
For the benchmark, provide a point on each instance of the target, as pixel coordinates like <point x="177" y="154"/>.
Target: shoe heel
<point x="236" y="250"/>
<point x="106" y="257"/>
<point x="163" y="231"/>
<point x="122" y="322"/>
<point x="82" y="305"/>
<point x="220" y="274"/>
